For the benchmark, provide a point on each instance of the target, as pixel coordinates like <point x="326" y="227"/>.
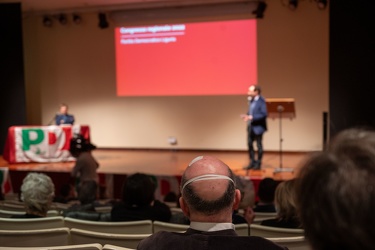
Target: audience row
<point x="332" y="198"/>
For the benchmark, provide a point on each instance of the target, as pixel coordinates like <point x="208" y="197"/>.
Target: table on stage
<point x="41" y="143"/>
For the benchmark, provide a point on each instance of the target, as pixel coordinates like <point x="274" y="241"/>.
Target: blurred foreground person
<point x="209" y="196"/>
<point x="336" y="193"/>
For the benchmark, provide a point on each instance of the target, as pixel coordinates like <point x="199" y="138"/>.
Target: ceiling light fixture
<point x="103" y="23"/>
<point x="63" y="20"/>
<point x="322" y="4"/>
<point x="259" y="11"/>
<point x="47" y="21"/>
<point x="293" y="4"/>
<point x="76" y="18"/>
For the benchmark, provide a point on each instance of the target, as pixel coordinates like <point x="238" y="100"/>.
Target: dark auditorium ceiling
<point x="43" y="6"/>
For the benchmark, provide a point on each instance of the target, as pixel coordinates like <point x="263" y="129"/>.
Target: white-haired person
<point x="37" y="193"/>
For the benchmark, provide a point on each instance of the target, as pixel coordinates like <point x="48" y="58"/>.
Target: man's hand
<point x="246" y="117"/>
<point x="249" y="215"/>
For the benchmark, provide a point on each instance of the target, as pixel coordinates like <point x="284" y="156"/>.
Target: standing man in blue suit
<point x="63" y="117"/>
<point x="256" y="119"/>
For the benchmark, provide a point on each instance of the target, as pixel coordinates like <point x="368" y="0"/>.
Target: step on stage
<point x="167" y="165"/>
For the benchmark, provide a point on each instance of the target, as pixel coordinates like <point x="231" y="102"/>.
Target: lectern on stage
<point x="281" y="108"/>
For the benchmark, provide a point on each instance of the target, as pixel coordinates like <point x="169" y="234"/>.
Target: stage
<point x="115" y="164"/>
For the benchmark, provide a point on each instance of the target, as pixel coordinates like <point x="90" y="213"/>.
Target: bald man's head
<point x="208" y="185"/>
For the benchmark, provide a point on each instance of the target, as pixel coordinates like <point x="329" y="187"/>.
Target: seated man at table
<point x="209" y="196"/>
<point x="62" y="117"/>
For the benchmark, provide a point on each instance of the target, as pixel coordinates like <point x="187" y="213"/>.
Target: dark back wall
<point x="352" y="65"/>
<point x="12" y="85"/>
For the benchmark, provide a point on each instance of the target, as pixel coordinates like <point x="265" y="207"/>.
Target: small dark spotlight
<point x="47" y="21"/>
<point x="322" y="4"/>
<point x="63" y="20"/>
<point x="103" y="23"/>
<point x="293" y="4"/>
<point x="77" y="18"/>
<point x="259" y="12"/>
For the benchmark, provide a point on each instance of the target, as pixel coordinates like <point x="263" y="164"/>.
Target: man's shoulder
<point x="242" y="243"/>
<point x="262" y="99"/>
<point x="160" y="240"/>
<point x="170" y="240"/>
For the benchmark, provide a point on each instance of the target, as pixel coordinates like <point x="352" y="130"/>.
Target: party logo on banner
<point x="44" y="144"/>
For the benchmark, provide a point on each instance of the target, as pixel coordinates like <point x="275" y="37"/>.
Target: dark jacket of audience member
<point x="87" y="196"/>
<point x="138" y="201"/>
<point x="285" y="202"/>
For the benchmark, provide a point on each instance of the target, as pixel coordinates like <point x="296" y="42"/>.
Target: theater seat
<point x="31" y="223"/>
<point x="35" y="238"/>
<point x="79" y="236"/>
<point x="125" y="227"/>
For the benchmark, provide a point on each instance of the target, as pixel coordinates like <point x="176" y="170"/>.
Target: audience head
<point x="208" y="191"/>
<point x="88" y="192"/>
<point x="336" y="193"/>
<point x="67" y="193"/>
<point x="266" y="190"/>
<point x="170" y="197"/>
<point x="79" y="144"/>
<point x="285" y="200"/>
<point x="246" y="188"/>
<point x="37" y="192"/>
<point x="138" y="190"/>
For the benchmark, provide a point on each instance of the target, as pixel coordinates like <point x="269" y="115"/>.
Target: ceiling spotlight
<point x="62" y="19"/>
<point x="259" y="11"/>
<point x="293" y="4"/>
<point x="77" y="19"/>
<point x="47" y="21"/>
<point x="322" y="4"/>
<point x="103" y="23"/>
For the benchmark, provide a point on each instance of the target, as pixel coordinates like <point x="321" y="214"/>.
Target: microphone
<point x="53" y="119"/>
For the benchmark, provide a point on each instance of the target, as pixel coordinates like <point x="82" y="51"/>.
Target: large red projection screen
<point x="208" y="58"/>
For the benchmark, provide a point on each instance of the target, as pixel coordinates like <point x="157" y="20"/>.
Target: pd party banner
<point x="41" y="144"/>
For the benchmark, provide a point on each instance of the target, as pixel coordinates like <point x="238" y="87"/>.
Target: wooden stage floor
<point x="171" y="163"/>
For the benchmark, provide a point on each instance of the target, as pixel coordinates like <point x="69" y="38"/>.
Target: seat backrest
<point x="264" y="215"/>
<point x="103" y="209"/>
<point x="93" y="246"/>
<point x="259" y="217"/>
<point x="8" y="213"/>
<point x="242" y="229"/>
<point x="31" y="223"/>
<point x="112" y="247"/>
<point x="175" y="210"/>
<point x="292" y="243"/>
<point x="35" y="238"/>
<point x="79" y="236"/>
<point x="12" y="207"/>
<point x="267" y="232"/>
<point x="52" y="213"/>
<point x="125" y="227"/>
<point x="169" y="227"/>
